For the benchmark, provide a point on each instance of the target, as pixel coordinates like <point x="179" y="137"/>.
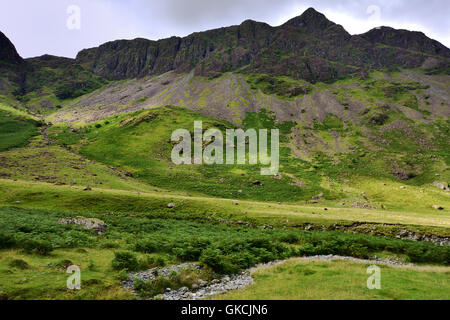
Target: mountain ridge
<point x="308" y="47"/>
<point x="319" y="55"/>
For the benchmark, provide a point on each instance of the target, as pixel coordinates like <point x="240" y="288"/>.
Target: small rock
<point x="403" y="187"/>
<point x="235" y="203"/>
<point x="257" y="183"/>
<point x="437" y="207"/>
<point x="441" y="185"/>
<point x="88" y="189"/>
<point x="278" y="176"/>
<point x="171" y="205"/>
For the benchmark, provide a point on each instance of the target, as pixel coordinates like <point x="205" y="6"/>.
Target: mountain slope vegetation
<point x="364" y="160"/>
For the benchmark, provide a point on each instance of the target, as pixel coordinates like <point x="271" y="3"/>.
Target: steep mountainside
<point x="41" y="84"/>
<point x="8" y="53"/>
<point x="11" y="66"/>
<point x="308" y="47"/>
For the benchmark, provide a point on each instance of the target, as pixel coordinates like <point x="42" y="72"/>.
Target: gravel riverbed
<point x="224" y="284"/>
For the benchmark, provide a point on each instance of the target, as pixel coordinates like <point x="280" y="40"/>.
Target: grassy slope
<point x="57" y="165"/>
<point x="147" y="156"/>
<point x="139" y="143"/>
<point x="341" y="280"/>
<point x="14" y="130"/>
<point x="73" y="198"/>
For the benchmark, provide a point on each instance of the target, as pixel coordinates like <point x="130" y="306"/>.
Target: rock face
<point x="416" y="41"/>
<point x="8" y="53"/>
<point x="308" y="47"/>
<point x="96" y="225"/>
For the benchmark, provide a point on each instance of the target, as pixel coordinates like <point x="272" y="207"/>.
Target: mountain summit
<point x="308" y="47"/>
<point x="312" y="20"/>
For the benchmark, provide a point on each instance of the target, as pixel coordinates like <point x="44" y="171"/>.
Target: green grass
<point x="46" y="278"/>
<point x="99" y="200"/>
<point x="58" y="165"/>
<point x="35" y="249"/>
<point x="126" y="161"/>
<point x="15" y="131"/>
<point x="147" y="156"/>
<point x="281" y="86"/>
<point x="340" y="280"/>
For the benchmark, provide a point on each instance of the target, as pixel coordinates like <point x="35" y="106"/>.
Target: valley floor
<point x="302" y="279"/>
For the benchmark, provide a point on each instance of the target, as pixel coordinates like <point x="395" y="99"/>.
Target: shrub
<point x="214" y="259"/>
<point x="306" y="249"/>
<point x="41" y="247"/>
<point x="187" y="254"/>
<point x="110" y="245"/>
<point x="125" y="260"/>
<point x="148" y="289"/>
<point x="358" y="251"/>
<point x="123" y="275"/>
<point x="7" y="241"/>
<point x="19" y="264"/>
<point x="160" y="262"/>
<point x="147" y="246"/>
<point x="63" y="264"/>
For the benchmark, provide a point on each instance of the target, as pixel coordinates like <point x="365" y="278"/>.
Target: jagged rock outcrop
<point x="8" y="53"/>
<point x="415" y="41"/>
<point x="308" y="47"/>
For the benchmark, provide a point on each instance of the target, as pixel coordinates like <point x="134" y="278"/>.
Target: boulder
<point x="441" y="185"/>
<point x="97" y="225"/>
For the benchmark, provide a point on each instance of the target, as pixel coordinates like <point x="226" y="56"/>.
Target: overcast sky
<point x="40" y="27"/>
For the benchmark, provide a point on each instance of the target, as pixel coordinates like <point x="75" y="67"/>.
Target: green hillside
<point x="87" y="179"/>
